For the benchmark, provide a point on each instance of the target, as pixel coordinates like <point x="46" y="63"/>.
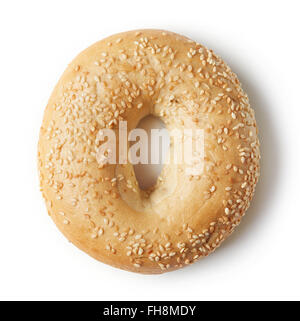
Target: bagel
<point x="100" y="208"/>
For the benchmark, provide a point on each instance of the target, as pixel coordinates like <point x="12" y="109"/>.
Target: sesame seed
<point x="244" y="185"/>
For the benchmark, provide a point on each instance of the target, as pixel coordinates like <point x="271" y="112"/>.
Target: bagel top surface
<point x="101" y="209"/>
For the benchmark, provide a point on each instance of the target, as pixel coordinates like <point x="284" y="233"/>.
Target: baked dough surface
<point x="101" y="208"/>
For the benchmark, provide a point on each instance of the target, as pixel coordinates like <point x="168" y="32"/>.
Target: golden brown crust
<point x="101" y="210"/>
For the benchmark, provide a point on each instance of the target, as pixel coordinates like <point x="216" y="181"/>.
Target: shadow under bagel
<point x="269" y="171"/>
<point x="270" y="163"/>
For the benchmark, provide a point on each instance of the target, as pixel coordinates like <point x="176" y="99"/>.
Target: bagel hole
<point x="147" y="174"/>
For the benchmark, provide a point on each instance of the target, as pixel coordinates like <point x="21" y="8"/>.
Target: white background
<point x="259" y="40"/>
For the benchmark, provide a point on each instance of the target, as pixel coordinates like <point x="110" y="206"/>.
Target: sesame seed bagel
<point x="100" y="208"/>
